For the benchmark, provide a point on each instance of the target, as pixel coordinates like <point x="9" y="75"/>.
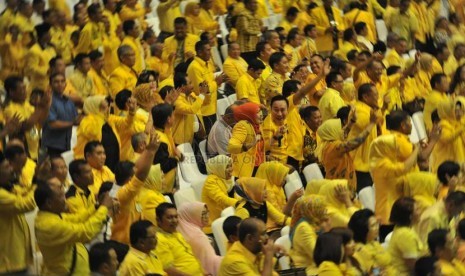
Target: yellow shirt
<point x="371" y="255"/>
<point x="324" y="41"/>
<point x="27" y="174"/>
<point x="435" y="217"/>
<point x="198" y="72"/>
<point x="12" y="55"/>
<point x="261" y="81"/>
<point x="344" y="49"/>
<point x="121" y="78"/>
<point x="208" y="22"/>
<point x="170" y="46"/>
<point x="431" y="104"/>
<point x="246" y="88"/>
<point x="100" y="176"/>
<point x="99" y="82"/>
<point x="294" y="53"/>
<point x="321" y="85"/>
<point x="425" y="28"/>
<point x="453" y="268"/>
<point x="138" y="125"/>
<point x="82" y="83"/>
<point x="36" y="68"/>
<point x="166" y="14"/>
<point x="149" y="200"/>
<point x="382" y="86"/>
<point x="128" y="212"/>
<point x="15" y="245"/>
<point x="330" y="103"/>
<point x="394" y="59"/>
<point x="136" y="13"/>
<point x="58" y="235"/>
<point x="328" y="268"/>
<point x="274" y="85"/>
<point x="277" y="150"/>
<point x="26" y="27"/>
<point x="24" y="111"/>
<point x="234" y="69"/>
<point x="286" y="25"/>
<point x="6" y="20"/>
<point x="61" y="39"/>
<point x="174" y="251"/>
<point x="404" y="244"/>
<point x="215" y="195"/>
<point x="303" y="19"/>
<point x="110" y="54"/>
<point x="163" y="68"/>
<point x="303" y="245"/>
<point x="90" y="38"/>
<point x="113" y="18"/>
<point x="79" y="200"/>
<point x="62" y="6"/>
<point x="356" y="15"/>
<point x="405" y="25"/>
<point x="274" y="216"/>
<point x="139" y="263"/>
<point x="248" y="30"/>
<point x="136" y="46"/>
<point x="308" y="48"/>
<point x="185" y="111"/>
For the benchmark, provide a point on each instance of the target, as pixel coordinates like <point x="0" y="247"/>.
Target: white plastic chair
<point x="385" y="244"/>
<point x="221" y="106"/>
<point x="367" y="198"/>
<point x="167" y="199"/>
<point x="218" y="233"/>
<point x="184" y="196"/>
<point x="312" y="172"/>
<point x="414" y="137"/>
<point x="382" y="30"/>
<point x="285" y="230"/>
<point x="203" y="150"/>
<point x="227" y="212"/>
<point x="189" y="169"/>
<point x="285" y="242"/>
<point x="419" y="124"/>
<point x="35" y="268"/>
<point x="69" y="70"/>
<point x="223" y="28"/>
<point x="73" y="137"/>
<point x="293" y="183"/>
<point x="224" y="50"/>
<point x="232" y="98"/>
<point x="182" y="183"/>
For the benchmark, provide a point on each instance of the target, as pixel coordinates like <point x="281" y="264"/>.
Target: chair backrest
<point x="184" y="196"/>
<point x="229" y="211"/>
<point x="285" y="242"/>
<point x="419" y="124"/>
<point x="232" y="98"/>
<point x="218" y="234"/>
<point x="382" y="30"/>
<point x="221" y="106"/>
<point x="414" y="138"/>
<point x="367" y="198"/>
<point x="285" y="230"/>
<point x="312" y="172"/>
<point x="198" y="188"/>
<point x="182" y="183"/>
<point x="293" y="183"/>
<point x="224" y="50"/>
<point x="203" y="150"/>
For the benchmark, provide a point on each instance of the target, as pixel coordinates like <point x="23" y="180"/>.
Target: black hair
<point x="437" y="238"/>
<point x="79" y="58"/>
<point x="199" y="46"/>
<point x="395" y="119"/>
<point x="290" y="87"/>
<point x="364" y="89"/>
<point x="144" y="77"/>
<point x="293" y="33"/>
<point x="230" y="226"/>
<point x="440" y="48"/>
<point x="165" y="90"/>
<point x="11" y="83"/>
<point x="359" y="26"/>
<point x="53" y="61"/>
<point x="52" y="77"/>
<point x="161" y="113"/>
<point x="358" y="223"/>
<point x="90" y="147"/>
<point x="447" y="168"/>
<point x="346" y="234"/>
<point x="292" y="11"/>
<point x="162" y="208"/>
<point x="99" y="254"/>
<point x="379" y="46"/>
<point x="94" y="55"/>
<point x="425" y="266"/>
<point x="436" y="79"/>
<point x="328" y="247"/>
<point x="128" y="25"/>
<point x="122" y="98"/>
<point x="306" y="112"/>
<point x="180" y="20"/>
<point x="461" y="229"/>
<point x="179" y="80"/>
<point x="260" y="47"/>
<point x="365" y="53"/>
<point x="457" y="78"/>
<point x="348" y="34"/>
<point x="255" y="65"/>
<point x="435" y="117"/>
<point x="42" y="29"/>
<point x="352" y="54"/>
<point x="331" y="77"/>
<point x="393" y="70"/>
<point x="124" y="170"/>
<point x="148" y="34"/>
<point x="276" y="58"/>
<point x="279" y="98"/>
<point x="104" y="188"/>
<point x="138" y="231"/>
<point x="93" y="9"/>
<point x="343" y="114"/>
<point x="205" y="36"/>
<point x="11" y="152"/>
<point x="75" y="168"/>
<point x="42" y="193"/>
<point x="402" y="211"/>
<point x="456" y="198"/>
<point x="308" y="28"/>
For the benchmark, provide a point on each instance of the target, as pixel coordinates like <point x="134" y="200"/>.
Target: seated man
<point x="230" y="229"/>
<point x="218" y="138"/>
<point x="443" y="246"/>
<point x="103" y="260"/>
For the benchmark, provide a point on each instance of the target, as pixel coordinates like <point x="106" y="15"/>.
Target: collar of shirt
<point x="80" y="191"/>
<point x="201" y="61"/>
<point x="139" y="254"/>
<point x="240" y="248"/>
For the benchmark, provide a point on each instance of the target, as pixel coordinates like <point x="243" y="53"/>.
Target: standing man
<point x="181" y="46"/>
<point x="131" y="38"/>
<point x="331" y="101"/>
<point x="249" y="28"/>
<point x="124" y="76"/>
<point x="166" y="11"/>
<point x="91" y="36"/>
<point x="80" y="78"/>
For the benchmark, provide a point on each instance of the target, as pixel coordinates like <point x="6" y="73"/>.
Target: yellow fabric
<point x="372" y="255"/>
<point x="385" y="83"/>
<point x="156" y="64"/>
<point x="425" y="28"/>
<point x="121" y="78"/>
<point x="286" y="25"/>
<point x="297" y="129"/>
<point x="136" y="13"/>
<point x="5" y="20"/>
<point x="23" y="112"/>
<point x="435" y="217"/>
<point x="57" y="236"/>
<point x="294" y="53"/>
<point x="99" y="82"/>
<point x="167" y="138"/>
<point x="262" y="9"/>
<point x="345" y="48"/>
<point x="136" y="46"/>
<point x="110" y="55"/>
<point x="174" y="251"/>
<point x="61" y="39"/>
<point x="328" y="268"/>
<point x="404" y="25"/>
<point x="170" y="46"/>
<point x="150" y="195"/>
<point x="166" y="14"/>
<point x="113" y="18"/>
<point x="79" y="201"/>
<point x="27" y="173"/>
<point x="356" y="15"/>
<point x="100" y="176"/>
<point x="125" y="134"/>
<point x="274" y="216"/>
<point x="234" y="69"/>
<point x="321" y="85"/>
<point x="277" y="150"/>
<point x="198" y="72"/>
<point x="248" y="27"/>
<point x="275" y="174"/>
<point x="36" y="67"/>
<point x="12" y="55"/>
<point x="303" y="246"/>
<point x="303" y="19"/>
<point x="330" y="130"/>
<point x="453" y="268"/>
<point x="324" y="41"/>
<point x="394" y="59"/>
<point x="208" y="22"/>
<point x="128" y="213"/>
<point x="405" y="244"/>
<point x="314" y="186"/>
<point x="82" y="83"/>
<point x="348" y="93"/>
<point x="422" y="187"/>
<point x="26" y="27"/>
<point x="261" y="81"/>
<point x="138" y="263"/>
<point x="62" y="6"/>
<point x="431" y="104"/>
<point x="246" y="88"/>
<point x="308" y="48"/>
<point x="330" y="103"/>
<point x="186" y="108"/>
<point x="15" y="248"/>
<point x="90" y="37"/>
<point x="337" y="211"/>
<point x="273" y="85"/>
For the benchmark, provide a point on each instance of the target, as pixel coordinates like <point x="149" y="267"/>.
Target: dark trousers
<point x="208" y="122"/>
<point x="363" y="180"/>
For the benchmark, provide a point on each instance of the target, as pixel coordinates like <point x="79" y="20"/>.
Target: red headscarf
<point x="248" y="112"/>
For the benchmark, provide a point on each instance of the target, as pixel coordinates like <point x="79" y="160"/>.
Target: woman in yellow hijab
<point x="422" y="187"/>
<point x="314" y="186"/>
<point x="99" y="125"/>
<point x="451" y="142"/>
<point x="218" y="190"/>
<point x="309" y="217"/>
<point x="339" y="204"/>
<point x="254" y="204"/>
<point x="194" y="22"/>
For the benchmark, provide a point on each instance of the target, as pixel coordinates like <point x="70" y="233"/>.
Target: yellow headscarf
<point x="328" y="191"/>
<point x="154" y="180"/>
<point x="382" y="148"/>
<point x="314" y="186"/>
<point x="253" y="188"/>
<point x="92" y="105"/>
<point x="311" y="208"/>
<point x="446" y="110"/>
<point x="189" y="9"/>
<point x="217" y="166"/>
<point x="274" y="172"/>
<point x="422" y="187"/>
<point x="146" y="95"/>
<point x="329" y="131"/>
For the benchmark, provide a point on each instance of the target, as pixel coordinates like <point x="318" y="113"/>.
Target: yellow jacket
<point x="170" y="46"/>
<point x="209" y="24"/>
<point x="371" y="255"/>
<point x="394" y="59"/>
<point x="294" y="52"/>
<point x="36" y="68"/>
<point x="166" y="15"/>
<point x="90" y="37"/>
<point x="356" y="15"/>
<point x="198" y="72"/>
<point x="324" y="41"/>
<point x="234" y="69"/>
<point x="303" y="19"/>
<point x="308" y="48"/>
<point x="59" y="235"/>
<point x="330" y="103"/>
<point x="100" y="82"/>
<point x="136" y="46"/>
<point x="61" y="39"/>
<point x="425" y="28"/>
<point x="62" y="6"/>
<point x="163" y="68"/>
<point x="110" y="55"/>
<point x="113" y="18"/>
<point x="215" y="195"/>
<point x="27" y="173"/>
<point x="277" y="150"/>
<point x="246" y="88"/>
<point x="138" y="263"/>
<point x="337" y="211"/>
<point x="344" y="49"/>
<point x="274" y="216"/>
<point x="100" y="176"/>
<point x="328" y="268"/>
<point x="303" y="245"/>
<point x="149" y="199"/>
<point x="405" y="242"/>
<point x="82" y="83"/>
<point x="15" y="246"/>
<point x="79" y="200"/>
<point x="136" y="13"/>
<point x="185" y="111"/>
<point x="431" y="104"/>
<point x="12" y="55"/>
<point x="125" y="134"/>
<point x="121" y="78"/>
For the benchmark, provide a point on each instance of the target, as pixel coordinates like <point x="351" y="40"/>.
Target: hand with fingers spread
<point x="13" y="125"/>
<point x="342" y="193"/>
<point x="221" y="78"/>
<point x="154" y="141"/>
<point x="173" y="95"/>
<point x="132" y="106"/>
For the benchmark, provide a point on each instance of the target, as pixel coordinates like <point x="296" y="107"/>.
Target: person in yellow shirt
<point x="110" y="13"/>
<point x="175" y="253"/>
<point x="316" y="64"/>
<point x="331" y="101"/>
<point x="292" y="47"/>
<point x="234" y="65"/>
<point x="443" y="246"/>
<point x="8" y="15"/>
<point x="394" y="57"/>
<point x="91" y="36"/>
<point x="124" y="76"/>
<point x="16" y="241"/>
<point x="133" y="10"/>
<point x="246" y="87"/>
<point x="23" y="167"/>
<point x="155" y="62"/>
<point x="61" y="35"/>
<point x="103" y="259"/>
<point x="24" y="22"/>
<point x="97" y="74"/>
<point x="141" y="258"/>
<point x="207" y="19"/>
<point x="80" y="79"/>
<point x="132" y="32"/>
<point x="349" y="43"/>
<point x="242" y="258"/>
<point x="440" y="86"/>
<point x="249" y="28"/>
<point x="96" y="157"/>
<point x="37" y="59"/>
<point x="339" y="203"/>
<point x="111" y="43"/>
<point x="167" y="10"/>
<point x="12" y="53"/>
<point x="358" y="13"/>
<point x="61" y="235"/>
<point x="274" y="83"/>
<point x="308" y="48"/>
<point x="191" y="13"/>
<point x="329" y="24"/>
<point x="200" y="75"/>
<point x="264" y="51"/>
<point x="289" y="21"/>
<point x="404" y="23"/>
<point x="79" y="197"/>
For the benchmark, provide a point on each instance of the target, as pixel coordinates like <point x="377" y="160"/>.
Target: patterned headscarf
<point x="312" y="208"/>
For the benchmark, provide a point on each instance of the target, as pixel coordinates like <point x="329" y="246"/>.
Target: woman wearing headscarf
<point x="99" y="125"/>
<point x="218" y="189"/>
<point x="451" y="141"/>
<point x="254" y="203"/>
<point x="146" y="96"/>
<point x="193" y="216"/>
<point x="150" y="195"/>
<point x="339" y="204"/>
<point x="194" y="22"/>
<point x="309" y="217"/>
<point x="247" y="146"/>
<point x="333" y="150"/>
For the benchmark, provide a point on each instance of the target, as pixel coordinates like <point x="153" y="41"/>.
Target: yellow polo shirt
<point x="100" y="176"/>
<point x="79" y="200"/>
<point x="138" y="263"/>
<point x="136" y="46"/>
<point x="246" y="88"/>
<point x="199" y="72"/>
<point x="382" y="86"/>
<point x="36" y="67"/>
<point x="185" y="111"/>
<point x="431" y="104"/>
<point x="82" y="83"/>
<point x="330" y="103"/>
<point x="90" y="37"/>
<point x="121" y="78"/>
<point x="100" y="82"/>
<point x="234" y="69"/>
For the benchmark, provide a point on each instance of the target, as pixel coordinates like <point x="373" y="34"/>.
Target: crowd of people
<point x="378" y="115"/>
